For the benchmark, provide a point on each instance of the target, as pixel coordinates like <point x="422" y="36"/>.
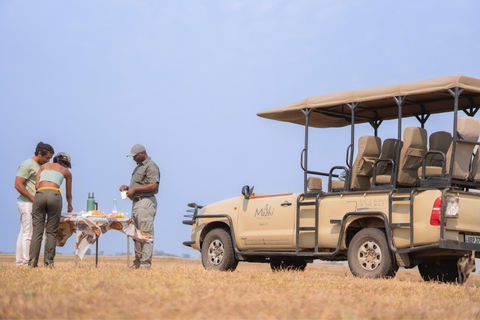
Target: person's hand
<point x="70" y="208"/>
<point x="123" y="188"/>
<point x="131" y="193"/>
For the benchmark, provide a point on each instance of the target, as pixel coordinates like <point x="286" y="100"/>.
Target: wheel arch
<point x="360" y="223"/>
<point x="214" y="225"/>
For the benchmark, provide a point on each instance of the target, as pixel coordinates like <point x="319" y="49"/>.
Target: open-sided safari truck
<point x="409" y="201"/>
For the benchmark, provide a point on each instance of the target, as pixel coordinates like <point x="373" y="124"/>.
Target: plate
<point x="472" y="239"/>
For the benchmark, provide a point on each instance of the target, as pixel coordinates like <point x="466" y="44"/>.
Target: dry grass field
<point x="182" y="289"/>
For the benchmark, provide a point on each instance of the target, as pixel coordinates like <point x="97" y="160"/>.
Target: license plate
<point x="472" y="239"/>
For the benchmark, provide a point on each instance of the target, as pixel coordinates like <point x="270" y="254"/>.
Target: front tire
<point x="217" y="251"/>
<point x="369" y="255"/>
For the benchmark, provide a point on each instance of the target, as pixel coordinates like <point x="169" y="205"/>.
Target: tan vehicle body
<point x="261" y="223"/>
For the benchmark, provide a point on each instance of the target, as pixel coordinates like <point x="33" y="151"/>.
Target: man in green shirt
<point x="25" y="185"/>
<point x="142" y="190"/>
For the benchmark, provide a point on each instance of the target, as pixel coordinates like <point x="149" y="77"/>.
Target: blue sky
<point x="186" y="79"/>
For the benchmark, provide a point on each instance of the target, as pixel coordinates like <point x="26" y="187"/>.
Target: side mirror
<point x="247" y="192"/>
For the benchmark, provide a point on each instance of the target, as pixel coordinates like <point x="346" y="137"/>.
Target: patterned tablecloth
<point x="89" y="228"/>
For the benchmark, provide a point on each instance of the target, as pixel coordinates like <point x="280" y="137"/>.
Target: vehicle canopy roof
<point x="422" y="97"/>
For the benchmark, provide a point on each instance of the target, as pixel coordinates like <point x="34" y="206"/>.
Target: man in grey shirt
<point x="142" y="190"/>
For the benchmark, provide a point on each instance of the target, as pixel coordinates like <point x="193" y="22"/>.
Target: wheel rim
<point x="369" y="255"/>
<point x="216" y="252"/>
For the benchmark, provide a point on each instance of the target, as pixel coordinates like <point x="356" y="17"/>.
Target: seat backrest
<point x="388" y="152"/>
<point x="314" y="183"/>
<point x="475" y="172"/>
<point x="362" y="170"/>
<point x="439" y="141"/>
<point x="469" y="129"/>
<point x="411" y="155"/>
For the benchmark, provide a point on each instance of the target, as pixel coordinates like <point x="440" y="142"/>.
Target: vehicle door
<point x="266" y="222"/>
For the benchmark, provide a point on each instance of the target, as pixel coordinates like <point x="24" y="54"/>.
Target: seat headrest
<point x="388" y="148"/>
<point x="440" y="141"/>
<point x="369" y="146"/>
<point x="469" y="128"/>
<point x="415" y="137"/>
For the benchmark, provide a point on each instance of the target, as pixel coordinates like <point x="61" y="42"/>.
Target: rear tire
<point x="217" y="251"/>
<point x="369" y="255"/>
<point x="443" y="271"/>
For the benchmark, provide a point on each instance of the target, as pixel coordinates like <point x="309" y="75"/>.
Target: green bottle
<point x="90" y="202"/>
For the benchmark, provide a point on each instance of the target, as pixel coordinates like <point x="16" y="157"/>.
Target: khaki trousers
<point x="47" y="204"/>
<point x="143" y="214"/>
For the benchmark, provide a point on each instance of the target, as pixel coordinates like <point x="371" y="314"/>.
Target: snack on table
<point x="69" y="215"/>
<point x="96" y="213"/>
<point x="117" y="215"/>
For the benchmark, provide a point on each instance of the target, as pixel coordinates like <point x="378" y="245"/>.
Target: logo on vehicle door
<point x="264" y="212"/>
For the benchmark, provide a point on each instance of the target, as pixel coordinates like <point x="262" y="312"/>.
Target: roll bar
<point x="422" y="117"/>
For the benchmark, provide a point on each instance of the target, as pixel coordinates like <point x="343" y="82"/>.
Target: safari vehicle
<point x="402" y="203"/>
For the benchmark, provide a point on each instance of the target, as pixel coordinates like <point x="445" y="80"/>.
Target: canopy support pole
<point x="307" y="113"/>
<point x="375" y="124"/>
<point x="472" y="109"/>
<point x="352" y="107"/>
<point x="422" y="117"/>
<point x="399" y="100"/>
<point x="456" y="94"/>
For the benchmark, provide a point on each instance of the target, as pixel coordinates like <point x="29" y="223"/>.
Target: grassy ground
<point x="182" y="289"/>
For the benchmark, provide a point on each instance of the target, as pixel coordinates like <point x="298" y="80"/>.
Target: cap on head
<point x="136" y="149"/>
<point x="66" y="159"/>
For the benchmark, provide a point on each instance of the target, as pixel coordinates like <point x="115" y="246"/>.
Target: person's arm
<point x="146" y="188"/>
<point x="37" y="182"/>
<point x="153" y="176"/>
<point x="68" y="187"/>
<point x="19" y="185"/>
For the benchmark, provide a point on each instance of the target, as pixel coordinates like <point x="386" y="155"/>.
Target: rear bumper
<point x="457" y="245"/>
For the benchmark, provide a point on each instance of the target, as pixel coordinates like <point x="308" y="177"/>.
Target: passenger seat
<point x="468" y="128"/>
<point x="362" y="170"/>
<point x="475" y="172"/>
<point x="439" y="141"/>
<point x="388" y="152"/>
<point x="411" y="155"/>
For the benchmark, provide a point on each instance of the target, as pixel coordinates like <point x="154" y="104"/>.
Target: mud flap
<point x="403" y="260"/>
<point x="466" y="265"/>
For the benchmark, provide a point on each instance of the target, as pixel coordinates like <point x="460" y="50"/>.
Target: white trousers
<point x="25" y="236"/>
